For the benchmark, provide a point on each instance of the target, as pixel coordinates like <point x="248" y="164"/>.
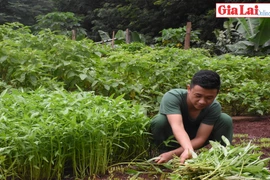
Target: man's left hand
<point x="164" y="157"/>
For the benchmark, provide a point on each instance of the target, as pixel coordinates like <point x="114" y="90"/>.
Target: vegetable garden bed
<point x="60" y="133"/>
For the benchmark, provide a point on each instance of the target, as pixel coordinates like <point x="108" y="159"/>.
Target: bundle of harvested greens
<point x="222" y="162"/>
<point x="217" y="163"/>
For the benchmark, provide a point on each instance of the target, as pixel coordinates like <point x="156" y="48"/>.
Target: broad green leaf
<point x="104" y="35"/>
<point x="83" y="76"/>
<point x="248" y="27"/>
<point x="99" y="54"/>
<point x="120" y="35"/>
<point x="264" y="34"/>
<point x="107" y="87"/>
<point x="135" y="37"/>
<point x="3" y="58"/>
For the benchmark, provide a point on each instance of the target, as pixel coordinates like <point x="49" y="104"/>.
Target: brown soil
<point x="254" y="129"/>
<point x="245" y="129"/>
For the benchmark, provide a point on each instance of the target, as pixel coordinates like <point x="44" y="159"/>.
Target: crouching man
<point x="191" y="117"/>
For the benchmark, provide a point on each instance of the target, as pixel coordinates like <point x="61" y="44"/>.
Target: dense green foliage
<point x="24" y="11"/>
<point x="61" y="23"/>
<point x="244" y="36"/>
<point x="176" y="37"/>
<point x="140" y="72"/>
<point x="146" y="17"/>
<point x="49" y="112"/>
<point x="44" y="134"/>
<point x="152" y="19"/>
<point x="64" y="103"/>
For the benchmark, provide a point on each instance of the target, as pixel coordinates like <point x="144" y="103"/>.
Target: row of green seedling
<point x="48" y="135"/>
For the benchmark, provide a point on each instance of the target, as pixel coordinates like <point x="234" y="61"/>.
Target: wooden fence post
<point x="73" y="34"/>
<point x="113" y="39"/>
<point x="187" y="38"/>
<point x="127" y="36"/>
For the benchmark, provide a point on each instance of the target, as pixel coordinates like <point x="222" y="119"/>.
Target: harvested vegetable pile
<point x="221" y="162"/>
<point x="217" y="163"/>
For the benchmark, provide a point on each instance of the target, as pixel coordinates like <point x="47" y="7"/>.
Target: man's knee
<point x="223" y="127"/>
<point x="158" y="124"/>
<point x="226" y="120"/>
<point x="160" y="129"/>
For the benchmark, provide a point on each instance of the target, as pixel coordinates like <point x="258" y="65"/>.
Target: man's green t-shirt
<point x="175" y="102"/>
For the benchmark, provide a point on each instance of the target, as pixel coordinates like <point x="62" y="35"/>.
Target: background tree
<point x="3" y="11"/>
<point x="24" y="11"/>
<point x="134" y="15"/>
<point x="146" y="17"/>
<point x="61" y="23"/>
<point x="83" y="8"/>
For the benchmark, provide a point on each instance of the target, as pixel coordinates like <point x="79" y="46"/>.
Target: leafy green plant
<point x="12" y="30"/>
<point x="244" y="93"/>
<point x="142" y="73"/>
<point x="56" y="130"/>
<point x="175" y="37"/>
<point x="255" y="37"/>
<point x="61" y="23"/>
<point x="244" y="36"/>
<point x="44" y="133"/>
<point x="223" y="38"/>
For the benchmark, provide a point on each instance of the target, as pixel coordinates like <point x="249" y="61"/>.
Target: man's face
<point x="199" y="98"/>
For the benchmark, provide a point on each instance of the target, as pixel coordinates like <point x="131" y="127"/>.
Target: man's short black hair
<point x="206" y="79"/>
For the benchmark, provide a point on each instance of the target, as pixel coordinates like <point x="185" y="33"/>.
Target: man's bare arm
<point x="202" y="136"/>
<point x="178" y="130"/>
